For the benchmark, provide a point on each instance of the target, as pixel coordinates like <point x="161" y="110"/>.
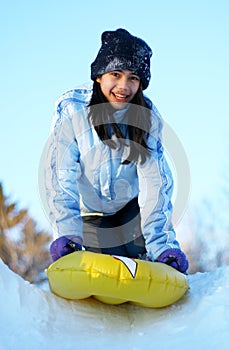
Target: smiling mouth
<point x="121" y="97"/>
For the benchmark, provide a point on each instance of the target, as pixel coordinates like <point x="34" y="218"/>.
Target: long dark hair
<point x="139" y="123"/>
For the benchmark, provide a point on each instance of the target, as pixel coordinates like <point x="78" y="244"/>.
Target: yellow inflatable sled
<point x="116" y="280"/>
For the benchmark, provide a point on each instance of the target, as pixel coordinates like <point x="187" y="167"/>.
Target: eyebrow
<point x="122" y="70"/>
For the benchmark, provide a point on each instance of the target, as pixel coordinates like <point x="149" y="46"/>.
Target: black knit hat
<point x="119" y="51"/>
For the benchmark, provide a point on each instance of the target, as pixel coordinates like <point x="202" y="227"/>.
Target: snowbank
<point x="35" y="319"/>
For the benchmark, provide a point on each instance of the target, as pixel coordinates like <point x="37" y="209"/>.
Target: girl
<point x="108" y="186"/>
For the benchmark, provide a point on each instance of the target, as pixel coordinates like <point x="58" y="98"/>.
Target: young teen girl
<point x="108" y="186"/>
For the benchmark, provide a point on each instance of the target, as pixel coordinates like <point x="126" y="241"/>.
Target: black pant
<point x="118" y="234"/>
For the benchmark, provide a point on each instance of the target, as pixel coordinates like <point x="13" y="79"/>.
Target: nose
<point x="123" y="83"/>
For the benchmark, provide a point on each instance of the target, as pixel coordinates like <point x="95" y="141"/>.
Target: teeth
<point x="120" y="96"/>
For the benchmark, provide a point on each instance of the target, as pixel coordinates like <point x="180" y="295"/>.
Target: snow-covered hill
<point x="34" y="319"/>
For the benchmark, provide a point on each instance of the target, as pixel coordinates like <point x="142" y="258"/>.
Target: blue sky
<point x="47" y="47"/>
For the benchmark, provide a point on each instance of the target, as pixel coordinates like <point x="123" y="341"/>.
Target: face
<point x="119" y="87"/>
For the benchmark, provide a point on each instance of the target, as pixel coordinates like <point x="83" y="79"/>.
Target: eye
<point x="115" y="74"/>
<point x="134" y="78"/>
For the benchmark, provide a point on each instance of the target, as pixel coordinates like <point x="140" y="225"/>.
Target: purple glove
<point x="175" y="258"/>
<point x="65" y="245"/>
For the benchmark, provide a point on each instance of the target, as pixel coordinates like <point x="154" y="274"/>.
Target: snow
<point x="35" y="319"/>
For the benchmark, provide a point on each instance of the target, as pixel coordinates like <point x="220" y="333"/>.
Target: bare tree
<point x="22" y="247"/>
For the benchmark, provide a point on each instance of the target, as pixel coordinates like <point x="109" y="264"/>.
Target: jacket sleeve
<point x="155" y="192"/>
<point x="61" y="170"/>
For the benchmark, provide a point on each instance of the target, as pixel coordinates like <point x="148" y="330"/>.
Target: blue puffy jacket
<point x="83" y="176"/>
